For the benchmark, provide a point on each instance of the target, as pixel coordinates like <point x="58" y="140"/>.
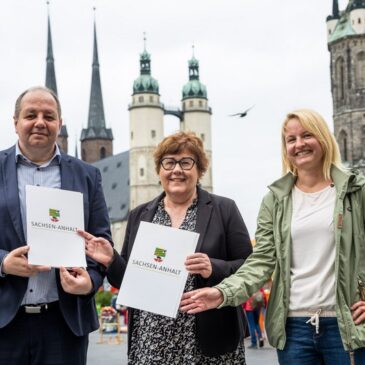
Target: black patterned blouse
<point x="162" y="340"/>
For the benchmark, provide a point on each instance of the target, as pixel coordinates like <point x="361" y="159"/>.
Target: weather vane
<point x="144" y="40"/>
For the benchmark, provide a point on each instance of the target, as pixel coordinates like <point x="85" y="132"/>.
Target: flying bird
<point x="242" y="114"/>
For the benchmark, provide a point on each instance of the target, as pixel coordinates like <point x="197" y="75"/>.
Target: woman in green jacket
<point x="311" y="239"/>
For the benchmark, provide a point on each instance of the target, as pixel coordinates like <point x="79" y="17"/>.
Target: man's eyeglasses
<point x="185" y="163"/>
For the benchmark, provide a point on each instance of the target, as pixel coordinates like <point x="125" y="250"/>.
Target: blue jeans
<point x="304" y="347"/>
<point x="253" y="324"/>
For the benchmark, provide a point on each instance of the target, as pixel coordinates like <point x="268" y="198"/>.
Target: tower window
<point x="360" y="70"/>
<point x="191" y="103"/>
<point x="141" y="171"/>
<point x="141" y="99"/>
<point x="119" y="164"/>
<point x="105" y="168"/>
<point x="153" y="133"/>
<point x="342" y="141"/>
<point x="114" y="185"/>
<point x="340" y="78"/>
<point x="359" y="20"/>
<point x="202" y="136"/>
<point x="151" y="99"/>
<point x="200" y="103"/>
<point x="131" y="135"/>
<point x="102" y="153"/>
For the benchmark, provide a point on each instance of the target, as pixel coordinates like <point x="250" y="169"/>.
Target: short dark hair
<point x="36" y="88"/>
<point x="178" y="142"/>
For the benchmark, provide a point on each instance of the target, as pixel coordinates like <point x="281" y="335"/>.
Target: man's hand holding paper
<point x="16" y="263"/>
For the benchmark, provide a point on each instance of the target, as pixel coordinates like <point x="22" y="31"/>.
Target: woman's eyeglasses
<point x="186" y="163"/>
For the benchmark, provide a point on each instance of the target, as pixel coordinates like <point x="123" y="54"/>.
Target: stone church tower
<point x="96" y="139"/>
<point x="346" y="43"/>
<point x="197" y="115"/>
<point x="146" y="131"/>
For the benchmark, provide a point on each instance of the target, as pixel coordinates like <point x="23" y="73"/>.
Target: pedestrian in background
<point x="253" y="308"/>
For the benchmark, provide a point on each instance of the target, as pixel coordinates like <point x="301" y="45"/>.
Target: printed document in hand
<point x="155" y="276"/>
<point x="53" y="216"/>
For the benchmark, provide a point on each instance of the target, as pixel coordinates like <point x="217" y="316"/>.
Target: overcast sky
<point x="271" y="54"/>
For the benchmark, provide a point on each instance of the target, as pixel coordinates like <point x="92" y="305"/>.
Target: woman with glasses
<point x="210" y="338"/>
<point x="311" y="238"/>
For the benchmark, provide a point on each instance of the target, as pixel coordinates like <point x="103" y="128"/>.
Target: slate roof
<point x="115" y="180"/>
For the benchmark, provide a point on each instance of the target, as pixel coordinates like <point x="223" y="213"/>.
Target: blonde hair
<point x="178" y="142"/>
<point x="314" y="123"/>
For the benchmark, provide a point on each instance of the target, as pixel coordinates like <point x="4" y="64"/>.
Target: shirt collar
<point x="18" y="154"/>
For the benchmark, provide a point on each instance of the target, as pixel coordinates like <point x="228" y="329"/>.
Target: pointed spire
<point x="193" y="66"/>
<point x="335" y="10"/>
<point x="96" y="107"/>
<point x="145" y="83"/>
<point x="96" y="119"/>
<point x="145" y="59"/>
<point x="194" y="88"/>
<point x="50" y="68"/>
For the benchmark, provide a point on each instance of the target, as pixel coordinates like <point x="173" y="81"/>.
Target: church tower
<point x="346" y="44"/>
<point x="62" y="139"/>
<point x="96" y="139"/>
<point x="146" y="131"/>
<point x="197" y="115"/>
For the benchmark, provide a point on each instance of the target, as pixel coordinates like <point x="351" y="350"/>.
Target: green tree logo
<point x="159" y="254"/>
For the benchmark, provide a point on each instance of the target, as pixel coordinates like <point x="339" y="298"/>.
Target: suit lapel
<point x="146" y="216"/>
<point x="204" y="214"/>
<point x="150" y="210"/>
<point x="10" y="177"/>
<point x="67" y="173"/>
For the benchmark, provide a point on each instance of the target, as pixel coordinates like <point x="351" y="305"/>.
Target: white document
<point x="155" y="276"/>
<point x="53" y="216"/>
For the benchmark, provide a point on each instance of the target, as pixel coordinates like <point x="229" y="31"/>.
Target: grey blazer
<point x="224" y="238"/>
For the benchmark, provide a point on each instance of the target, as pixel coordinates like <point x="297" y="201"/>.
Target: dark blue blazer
<point x="78" y="310"/>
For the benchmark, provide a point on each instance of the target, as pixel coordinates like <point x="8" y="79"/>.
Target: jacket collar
<point x="282" y="187"/>
<point x="203" y="218"/>
<point x="345" y="181"/>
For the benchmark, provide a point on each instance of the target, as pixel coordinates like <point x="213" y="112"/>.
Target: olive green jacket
<point x="272" y="253"/>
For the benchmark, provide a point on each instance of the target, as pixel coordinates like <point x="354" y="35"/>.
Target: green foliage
<point x="103" y="298"/>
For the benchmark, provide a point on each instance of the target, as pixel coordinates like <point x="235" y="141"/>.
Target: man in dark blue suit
<point x="46" y="314"/>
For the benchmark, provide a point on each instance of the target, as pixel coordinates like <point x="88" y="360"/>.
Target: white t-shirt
<point x="313" y="250"/>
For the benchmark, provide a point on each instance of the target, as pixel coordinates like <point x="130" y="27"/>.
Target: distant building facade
<point x="346" y="44"/>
